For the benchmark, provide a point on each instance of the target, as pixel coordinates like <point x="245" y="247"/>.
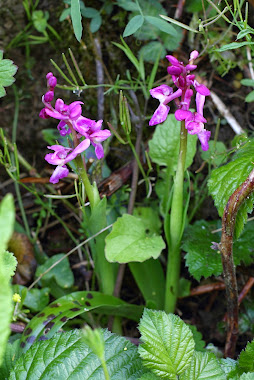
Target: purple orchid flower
<point x="61" y="156"/>
<point x="92" y="131"/>
<point x="164" y="94"/>
<point x="183" y="79"/>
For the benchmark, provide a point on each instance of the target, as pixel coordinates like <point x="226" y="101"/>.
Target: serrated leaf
<point x="201" y="259"/>
<point x="168" y="344"/>
<point x="54" y="316"/>
<point x="204" y="365"/>
<point x="164" y="146"/>
<point x="9" y="264"/>
<point x="197" y="336"/>
<point x="68" y="357"/>
<point x="243" y="247"/>
<point x="128" y="241"/>
<point x="226" y="179"/>
<point x="162" y="25"/>
<point x="230" y="368"/>
<point x="7" y="71"/>
<point x="149" y="376"/>
<point x="61" y="273"/>
<point x="247" y="376"/>
<point x="133" y="25"/>
<point x="246" y="358"/>
<point x="10" y="356"/>
<point x="76" y="19"/>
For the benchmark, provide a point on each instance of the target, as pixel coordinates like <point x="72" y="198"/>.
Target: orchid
<point x="61" y="156"/>
<point x="183" y="80"/>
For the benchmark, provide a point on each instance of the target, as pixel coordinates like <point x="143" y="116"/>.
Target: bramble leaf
<point x="246" y="361"/>
<point x="204" y="366"/>
<point x="168" y="344"/>
<point x="68" y="356"/>
<point x="226" y="179"/>
<point x="128" y="241"/>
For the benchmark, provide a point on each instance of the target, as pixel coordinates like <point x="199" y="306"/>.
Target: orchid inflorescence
<point x="183" y="79"/>
<point x="71" y="122"/>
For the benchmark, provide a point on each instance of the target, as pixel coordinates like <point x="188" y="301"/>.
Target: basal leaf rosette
<point x="226" y="179"/>
<point x="7" y="71"/>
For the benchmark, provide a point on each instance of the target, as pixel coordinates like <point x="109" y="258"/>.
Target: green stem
<point x="176" y="228"/>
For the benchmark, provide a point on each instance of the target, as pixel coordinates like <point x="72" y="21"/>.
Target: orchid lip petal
<point x="159" y="115"/>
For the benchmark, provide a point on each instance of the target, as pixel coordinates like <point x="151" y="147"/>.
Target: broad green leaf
<point x="234" y="45"/>
<point x="201" y="259"/>
<point x="67" y="356"/>
<point x="10" y="356"/>
<point x="164" y="146"/>
<point x="61" y="273"/>
<point x="246" y="358"/>
<point x="133" y="25"/>
<point x="35" y="299"/>
<point x="7" y="71"/>
<point x="230" y="368"/>
<point x="168" y="344"/>
<point x="152" y="291"/>
<point x="248" y="82"/>
<point x="217" y="154"/>
<point x="226" y="179"/>
<point x="250" y="97"/>
<point x="150" y="218"/>
<point x="89" y="12"/>
<point x="162" y="25"/>
<point x="128" y="241"/>
<point x="149" y="376"/>
<point x="9" y="264"/>
<point x="55" y="315"/>
<point x="76" y="19"/>
<point x="151" y="51"/>
<point x="204" y="366"/>
<point x="7" y="218"/>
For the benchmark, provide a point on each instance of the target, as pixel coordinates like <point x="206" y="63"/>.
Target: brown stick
<point x="226" y="249"/>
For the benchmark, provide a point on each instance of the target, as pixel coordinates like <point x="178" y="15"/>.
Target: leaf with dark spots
<point x="40" y="315"/>
<point x="55" y="305"/>
<point x="27" y="331"/>
<point x="101" y="303"/>
<point x="30" y="339"/>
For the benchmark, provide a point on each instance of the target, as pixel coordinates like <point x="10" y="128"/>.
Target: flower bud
<point x="52" y="82"/>
<point x="49" y="96"/>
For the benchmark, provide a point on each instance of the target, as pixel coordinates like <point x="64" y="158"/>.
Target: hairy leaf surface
<point x="204" y="366"/>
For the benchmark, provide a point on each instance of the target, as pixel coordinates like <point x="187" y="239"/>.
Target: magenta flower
<point x="183" y="79"/>
<point x="164" y="94"/>
<point x="61" y="156"/>
<point x="92" y="131"/>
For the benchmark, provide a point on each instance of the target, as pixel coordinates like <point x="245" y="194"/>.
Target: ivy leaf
<point x="164" y="146"/>
<point x="133" y="25"/>
<point x="246" y="361"/>
<point x="128" y="241"/>
<point x="204" y="365"/>
<point x="68" y="356"/>
<point x="61" y="273"/>
<point x="7" y="71"/>
<point x="201" y="259"/>
<point x="226" y="179"/>
<point x="45" y="324"/>
<point x="168" y="343"/>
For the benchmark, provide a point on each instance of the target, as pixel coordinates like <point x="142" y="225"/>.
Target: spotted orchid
<point x="183" y="80"/>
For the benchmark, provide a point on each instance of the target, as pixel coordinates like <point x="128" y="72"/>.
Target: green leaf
<point x="226" y="179"/>
<point x="217" y="154"/>
<point x="246" y="357"/>
<point x="65" y="13"/>
<point x="247" y="82"/>
<point x="95" y="24"/>
<point x="243" y="33"/>
<point x="61" y="273"/>
<point x="76" y="19"/>
<point x="9" y="264"/>
<point x="128" y="5"/>
<point x="247" y="376"/>
<point x="55" y="315"/>
<point x="7" y="71"/>
<point x="168" y="344"/>
<point x="197" y="336"/>
<point x="133" y="25"/>
<point x="162" y="25"/>
<point x="151" y="51"/>
<point x="230" y="368"/>
<point x="150" y="218"/>
<point x="7" y="218"/>
<point x="201" y="259"/>
<point x="164" y="146"/>
<point x="204" y="365"/>
<point x="234" y="45"/>
<point x="10" y="357"/>
<point x="152" y="291"/>
<point x="250" y="97"/>
<point x="67" y="356"/>
<point x="89" y="12"/>
<point x="243" y="247"/>
<point x="40" y="20"/>
<point x="149" y="376"/>
<point x="35" y="299"/>
<point x="128" y="241"/>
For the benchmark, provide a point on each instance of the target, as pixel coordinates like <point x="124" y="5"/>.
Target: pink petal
<point x="174" y="61"/>
<point x="99" y="151"/>
<point x="59" y="173"/>
<point x="161" y="92"/>
<point x="200" y="101"/>
<point x="204" y="137"/>
<point x="79" y="149"/>
<point x="174" y="70"/>
<point x="159" y="115"/>
<point x="194" y="54"/>
<point x="201" y="88"/>
<point x="182" y="114"/>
